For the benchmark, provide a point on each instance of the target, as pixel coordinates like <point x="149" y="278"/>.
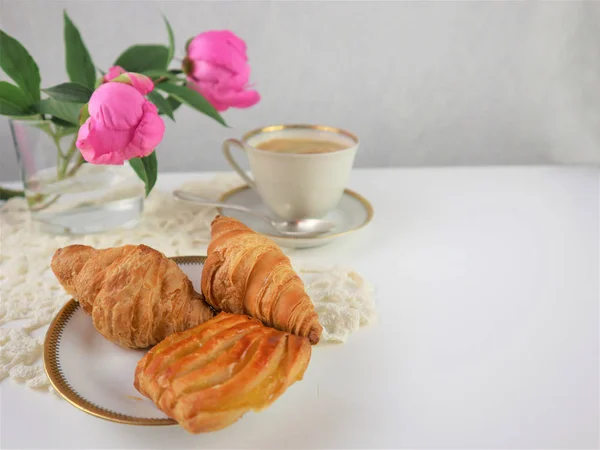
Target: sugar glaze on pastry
<point x="207" y="377"/>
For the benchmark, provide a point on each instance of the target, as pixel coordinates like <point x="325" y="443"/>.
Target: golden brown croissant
<point x="135" y="294"/>
<point x="207" y="377"/>
<point x="247" y="273"/>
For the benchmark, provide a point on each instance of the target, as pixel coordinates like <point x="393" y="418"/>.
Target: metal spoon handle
<point x="188" y="196"/>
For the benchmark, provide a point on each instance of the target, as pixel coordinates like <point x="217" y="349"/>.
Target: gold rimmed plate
<point x="95" y="375"/>
<point x="352" y="213"/>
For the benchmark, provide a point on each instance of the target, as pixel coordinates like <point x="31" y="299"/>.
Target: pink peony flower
<point x="122" y="125"/>
<point x="141" y="82"/>
<point x="113" y="72"/>
<point x="217" y="67"/>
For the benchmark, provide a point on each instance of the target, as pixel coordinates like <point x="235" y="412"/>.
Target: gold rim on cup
<point x="298" y="126"/>
<point x="61" y="384"/>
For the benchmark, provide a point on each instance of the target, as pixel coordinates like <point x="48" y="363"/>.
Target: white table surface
<point x="487" y="286"/>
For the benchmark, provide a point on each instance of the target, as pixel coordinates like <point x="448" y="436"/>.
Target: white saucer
<point x="353" y="213"/>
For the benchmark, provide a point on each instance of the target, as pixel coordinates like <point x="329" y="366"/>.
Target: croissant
<point x="207" y="377"/>
<point x="135" y="294"/>
<point x="247" y="273"/>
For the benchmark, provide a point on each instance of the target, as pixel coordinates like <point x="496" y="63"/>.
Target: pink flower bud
<point x="113" y="72"/>
<point x="141" y="82"/>
<point x="217" y="67"/>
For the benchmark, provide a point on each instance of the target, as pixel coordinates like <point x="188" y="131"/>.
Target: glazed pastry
<point x="247" y="273"/>
<point x="207" y="377"/>
<point x="135" y="294"/>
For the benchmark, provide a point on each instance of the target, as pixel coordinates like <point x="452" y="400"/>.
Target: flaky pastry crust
<point x="247" y="273"/>
<point x="135" y="294"/>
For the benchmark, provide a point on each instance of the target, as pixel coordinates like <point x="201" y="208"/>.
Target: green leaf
<point x="79" y="62"/>
<point x="61" y="123"/>
<point x="14" y="95"/>
<point x="191" y="98"/>
<point x="155" y="74"/>
<point x="174" y="103"/>
<point x="139" y="58"/>
<point x="5" y="193"/>
<point x="171" y="40"/>
<point x="63" y="110"/>
<point x="146" y="169"/>
<point x="12" y="100"/>
<point x="18" y="64"/>
<point x="161" y="103"/>
<point x="70" y="92"/>
<point x="63" y="128"/>
<point x="10" y="109"/>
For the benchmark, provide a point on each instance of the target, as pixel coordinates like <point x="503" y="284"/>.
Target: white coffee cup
<point x="296" y="185"/>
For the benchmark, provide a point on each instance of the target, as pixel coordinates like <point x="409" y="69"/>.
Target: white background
<point x="487" y="291"/>
<point x="421" y="83"/>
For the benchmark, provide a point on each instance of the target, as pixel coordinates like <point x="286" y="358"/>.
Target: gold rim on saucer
<point x="61" y="384"/>
<point x="362" y="200"/>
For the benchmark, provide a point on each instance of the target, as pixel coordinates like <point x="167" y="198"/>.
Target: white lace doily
<point x="30" y="295"/>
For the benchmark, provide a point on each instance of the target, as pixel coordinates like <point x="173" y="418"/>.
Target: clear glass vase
<point x="65" y="194"/>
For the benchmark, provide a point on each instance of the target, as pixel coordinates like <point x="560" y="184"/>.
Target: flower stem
<point x="40" y="201"/>
<point x="77" y="165"/>
<point x="66" y="159"/>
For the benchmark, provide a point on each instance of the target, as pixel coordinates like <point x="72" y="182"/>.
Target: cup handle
<point x="227" y="152"/>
